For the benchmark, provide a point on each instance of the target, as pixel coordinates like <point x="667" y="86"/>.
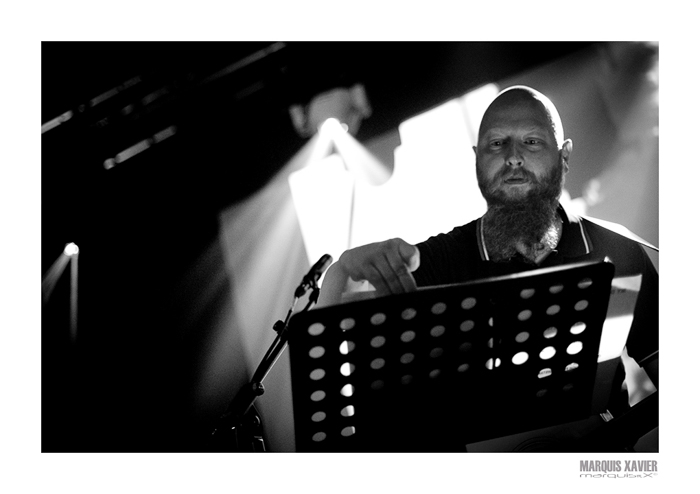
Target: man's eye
<point x="533" y="142"/>
<point x="496" y="143"/>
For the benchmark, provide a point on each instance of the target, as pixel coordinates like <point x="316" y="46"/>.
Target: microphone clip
<point x="310" y="280"/>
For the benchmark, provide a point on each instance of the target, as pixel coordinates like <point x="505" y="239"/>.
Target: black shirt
<point x="460" y="256"/>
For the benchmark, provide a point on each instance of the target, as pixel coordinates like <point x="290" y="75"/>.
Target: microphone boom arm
<point x="233" y="419"/>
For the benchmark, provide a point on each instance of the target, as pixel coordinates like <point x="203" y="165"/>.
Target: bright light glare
<point x="332" y="126"/>
<point x="71" y="249"/>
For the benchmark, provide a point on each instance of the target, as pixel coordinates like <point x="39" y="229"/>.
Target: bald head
<point x="521" y="150"/>
<point x="523" y="102"/>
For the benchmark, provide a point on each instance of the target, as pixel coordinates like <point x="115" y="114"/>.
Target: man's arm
<point x="386" y="265"/>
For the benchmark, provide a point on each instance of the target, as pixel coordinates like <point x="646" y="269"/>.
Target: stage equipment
<point x="347" y="105"/>
<point x="51" y="277"/>
<point x="436" y="369"/>
<point x="240" y="428"/>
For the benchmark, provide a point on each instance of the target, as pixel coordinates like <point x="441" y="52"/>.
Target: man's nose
<point x="514" y="157"/>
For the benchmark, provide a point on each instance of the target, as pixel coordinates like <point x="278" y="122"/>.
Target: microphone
<point x="313" y="275"/>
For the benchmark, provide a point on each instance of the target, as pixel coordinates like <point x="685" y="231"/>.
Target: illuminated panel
<point x="432" y="190"/>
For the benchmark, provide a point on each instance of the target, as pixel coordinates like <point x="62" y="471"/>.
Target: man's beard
<point x="530" y="218"/>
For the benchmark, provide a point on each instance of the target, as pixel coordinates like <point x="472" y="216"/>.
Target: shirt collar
<point x="574" y="241"/>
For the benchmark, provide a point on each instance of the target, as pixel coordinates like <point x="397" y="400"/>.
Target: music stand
<point x="435" y="369"/>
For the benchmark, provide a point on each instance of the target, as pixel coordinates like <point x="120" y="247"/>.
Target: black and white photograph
<point x="343" y="262"/>
<point x="207" y="206"/>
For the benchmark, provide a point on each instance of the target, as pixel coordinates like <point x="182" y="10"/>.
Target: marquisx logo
<point x="618" y="469"/>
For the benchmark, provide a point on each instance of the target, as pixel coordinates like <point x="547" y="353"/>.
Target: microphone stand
<point x="241" y="418"/>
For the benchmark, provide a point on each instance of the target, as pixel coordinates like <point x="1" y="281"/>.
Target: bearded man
<point x="521" y="160"/>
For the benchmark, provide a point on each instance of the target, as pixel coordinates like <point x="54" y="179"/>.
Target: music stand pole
<point x="234" y="418"/>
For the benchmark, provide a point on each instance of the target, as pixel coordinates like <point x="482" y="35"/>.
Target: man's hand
<point x="386" y="265"/>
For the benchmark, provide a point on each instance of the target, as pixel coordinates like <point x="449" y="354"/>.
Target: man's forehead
<point x="519" y="112"/>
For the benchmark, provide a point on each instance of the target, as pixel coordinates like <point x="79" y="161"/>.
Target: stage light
<point x="53" y="123"/>
<point x="71" y="249"/>
<point x="140" y="146"/>
<point x="349" y="106"/>
<point x="332" y="127"/>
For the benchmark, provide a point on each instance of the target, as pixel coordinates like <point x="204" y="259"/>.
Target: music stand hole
<point x="544" y="373"/>
<point x="377" y="385"/>
<point x="578" y="328"/>
<point x="377" y="341"/>
<point x="541" y="393"/>
<point x="571" y="367"/>
<point x="523" y="315"/>
<point x="491" y="342"/>
<point x="553" y="309"/>
<point x="522" y="337"/>
<point x="318" y="395"/>
<point x="465" y="347"/>
<point x="316" y="329"/>
<point x="317" y="352"/>
<point x="347" y="431"/>
<point x="347" y="368"/>
<point x="520" y="358"/>
<point x="548" y="353"/>
<point x="318" y="437"/>
<point x="468" y="303"/>
<point x="408" y="314"/>
<point x="550" y="333"/>
<point x="318" y="417"/>
<point x="437" y="331"/>
<point x="377" y="363"/>
<point x="348" y="411"/>
<point x="434" y="373"/>
<point x="467" y="325"/>
<point x="463" y="368"/>
<point x="574" y="348"/>
<point x="568" y="387"/>
<point x="438" y="308"/>
<point x="436" y="352"/>
<point x="527" y="293"/>
<point x="407" y="379"/>
<point x="317" y="374"/>
<point x="554" y="289"/>
<point x="408" y="336"/>
<point x="585" y="283"/>
<point x="489" y="363"/>
<point x="347" y="323"/>
<point x="347" y="347"/>
<point x="347" y="390"/>
<point x="581" y="305"/>
<point x="407" y="358"/>
<point x="378" y="318"/>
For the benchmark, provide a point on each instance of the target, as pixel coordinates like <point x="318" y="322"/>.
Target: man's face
<point x="517" y="156"/>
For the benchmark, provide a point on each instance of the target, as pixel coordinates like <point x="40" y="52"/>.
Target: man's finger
<point x="410" y="255"/>
<point x="379" y="281"/>
<point x="402" y="279"/>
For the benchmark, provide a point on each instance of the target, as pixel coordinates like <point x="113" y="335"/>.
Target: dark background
<point x="125" y="385"/>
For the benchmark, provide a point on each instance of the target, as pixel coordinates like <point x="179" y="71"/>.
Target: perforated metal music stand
<point x="435" y="369"/>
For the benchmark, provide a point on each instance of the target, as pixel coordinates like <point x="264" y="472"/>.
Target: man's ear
<point x="565" y="152"/>
<point x="474" y="148"/>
